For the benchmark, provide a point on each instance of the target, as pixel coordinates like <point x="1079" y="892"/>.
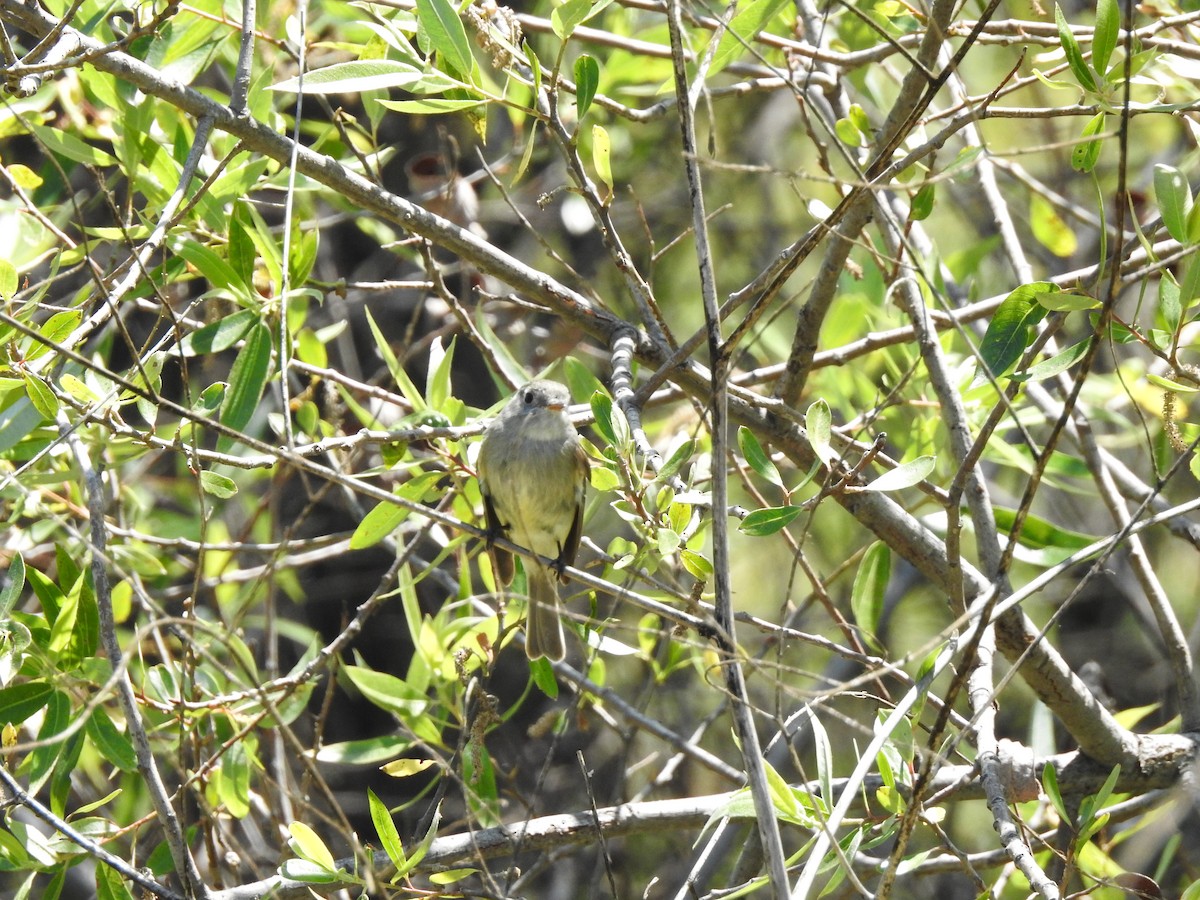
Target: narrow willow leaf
<point x="54" y="331"/>
<point x="40" y="396"/>
<point x="364" y="751"/>
<point x="757" y="458"/>
<point x="15" y="584"/>
<point x="247" y="381"/>
<point x="113" y="746"/>
<point x="430" y="106"/>
<point x="1104" y="38"/>
<point x="440" y="22"/>
<point x="870" y="585"/>
<point x="308" y="845"/>
<point x="1038" y="533"/>
<point x="763" y="522"/>
<point x="742" y="30"/>
<point x="19" y="702"/>
<point x="354" y="77"/>
<point x="602" y="413"/>
<point x="1079" y="66"/>
<point x="587" y="80"/>
<point x="66" y="144"/>
<point x="903" y="476"/>
<point x="819" y="426"/>
<point x="1066" y="301"/>
<point x="1054" y="365"/>
<point x="1174" y="196"/>
<point x="1012" y="327"/>
<point x="675" y="462"/>
<point x="1169" y="306"/>
<point x="385" y="827"/>
<point x="215" y="270"/>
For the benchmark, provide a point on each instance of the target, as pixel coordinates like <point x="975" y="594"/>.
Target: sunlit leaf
<point x="1011" y="329"/>
<point x="903" y="476"/>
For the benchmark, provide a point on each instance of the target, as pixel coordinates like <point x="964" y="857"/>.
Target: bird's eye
<point x="528" y="397"/>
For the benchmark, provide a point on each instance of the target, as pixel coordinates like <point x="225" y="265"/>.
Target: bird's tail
<point x="543" y="630"/>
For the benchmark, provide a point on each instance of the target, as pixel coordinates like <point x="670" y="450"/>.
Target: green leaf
<point x="1086" y="152"/>
<point x="247" y="380"/>
<point x="1174" y="196"/>
<point x="113" y="745"/>
<point x="407" y="388"/>
<point x="818" y="426"/>
<point x="386" y="516"/>
<point x="430" y="106"/>
<point x="1169" y="385"/>
<point x="1050" y="786"/>
<point x="848" y="134"/>
<point x="307" y="845"/>
<point x="363" y="752"/>
<point x="1079" y="66"/>
<point x="67" y="145"/>
<point x="110" y="886"/>
<point x="743" y="28"/>
<point x="903" y="476"/>
<point x="11" y="592"/>
<point x="587" y="79"/>
<point x="763" y="522"/>
<point x="389" y="837"/>
<point x="378" y="524"/>
<point x="221" y="486"/>
<point x="1054" y="365"/>
<point x="1066" y="301"/>
<point x="602" y="158"/>
<point x="1104" y="39"/>
<point x="19" y="702"/>
<point x="566" y="17"/>
<point x="677" y="459"/>
<point x="1050" y="228"/>
<point x="307" y="872"/>
<point x="220" y="335"/>
<point x="922" y="203"/>
<point x="233" y="780"/>
<point x="440" y="23"/>
<point x="40" y="395"/>
<point x="354" y="77"/>
<point x="756" y="457"/>
<point x="543" y="676"/>
<point x="870" y="585"/>
<point x="1189" y="284"/>
<point x="388" y="692"/>
<point x="218" y="272"/>
<point x="39" y="764"/>
<point x="437" y="380"/>
<point x="9" y="283"/>
<point x="1039" y="533"/>
<point x="1169" y="306"/>
<point x="1012" y="327"/>
<point x="54" y="331"/>
<point x="602" y="413"/>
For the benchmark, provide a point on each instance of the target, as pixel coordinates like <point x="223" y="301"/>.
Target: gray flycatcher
<point x="533" y="473"/>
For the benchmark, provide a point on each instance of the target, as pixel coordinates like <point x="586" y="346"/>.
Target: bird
<point x="533" y="474"/>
